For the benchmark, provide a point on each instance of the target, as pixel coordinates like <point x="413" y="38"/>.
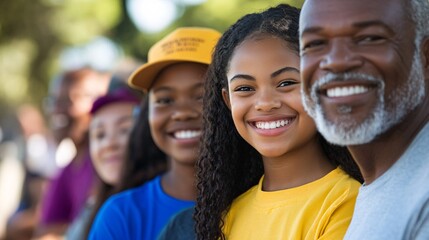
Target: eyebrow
<point x="373" y="23"/>
<point x="168" y="88"/>
<point x="273" y="75"/>
<point x="285" y="69"/>
<point x="125" y="119"/>
<point x="163" y="88"/>
<point x="360" y="25"/>
<point x="122" y="119"/>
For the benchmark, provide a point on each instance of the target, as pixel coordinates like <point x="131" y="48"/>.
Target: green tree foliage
<point x="33" y="33"/>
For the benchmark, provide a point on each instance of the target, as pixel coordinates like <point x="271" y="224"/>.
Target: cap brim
<point x="143" y="77"/>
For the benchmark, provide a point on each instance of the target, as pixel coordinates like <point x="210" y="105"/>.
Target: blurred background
<point x="40" y="38"/>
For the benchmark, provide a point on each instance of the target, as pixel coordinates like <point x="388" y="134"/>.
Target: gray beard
<point x="345" y="130"/>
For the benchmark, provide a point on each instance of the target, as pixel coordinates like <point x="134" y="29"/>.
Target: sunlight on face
<point x="345" y="130"/>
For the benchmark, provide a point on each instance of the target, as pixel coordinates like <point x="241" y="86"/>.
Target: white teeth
<point x="185" y="134"/>
<point x="346" y="91"/>
<point x="272" y="125"/>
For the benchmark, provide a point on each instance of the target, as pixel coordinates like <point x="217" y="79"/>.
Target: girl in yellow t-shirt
<point x="264" y="171"/>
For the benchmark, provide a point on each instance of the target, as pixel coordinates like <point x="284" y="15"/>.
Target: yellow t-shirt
<point x="318" y="210"/>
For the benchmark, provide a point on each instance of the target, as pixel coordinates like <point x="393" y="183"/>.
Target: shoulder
<point x="336" y="194"/>
<point x="249" y="194"/>
<point x="338" y="201"/>
<point x="181" y="226"/>
<point x="185" y="215"/>
<point x="133" y="198"/>
<point x="114" y="218"/>
<point x="183" y="218"/>
<point x="418" y="226"/>
<point x="343" y="184"/>
<point x="243" y="202"/>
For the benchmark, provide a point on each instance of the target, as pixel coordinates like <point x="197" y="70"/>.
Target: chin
<point x="185" y="160"/>
<point x="271" y="153"/>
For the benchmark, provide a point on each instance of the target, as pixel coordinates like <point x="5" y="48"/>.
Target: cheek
<point x="123" y="143"/>
<point x="295" y="100"/>
<point x="308" y="69"/>
<point x="152" y="117"/>
<point x="153" y="125"/>
<point x="95" y="153"/>
<point x="306" y="125"/>
<point x="393" y="68"/>
<point x="305" y="121"/>
<point x="94" y="148"/>
<point x="238" y="110"/>
<point x="82" y="107"/>
<point x="156" y="125"/>
<point x="199" y="108"/>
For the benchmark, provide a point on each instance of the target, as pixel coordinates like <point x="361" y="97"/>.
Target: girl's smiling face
<point x="109" y="132"/>
<point x="175" y="110"/>
<point x="264" y="97"/>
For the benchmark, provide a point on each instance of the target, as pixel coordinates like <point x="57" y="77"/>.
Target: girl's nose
<point x="183" y="113"/>
<point x="267" y="101"/>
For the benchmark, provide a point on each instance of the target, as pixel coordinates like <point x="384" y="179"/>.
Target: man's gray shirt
<point x="396" y="205"/>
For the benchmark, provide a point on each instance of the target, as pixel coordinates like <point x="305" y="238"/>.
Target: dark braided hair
<point x="228" y="166"/>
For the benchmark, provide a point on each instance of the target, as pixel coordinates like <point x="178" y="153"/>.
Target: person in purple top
<point x="70" y="100"/>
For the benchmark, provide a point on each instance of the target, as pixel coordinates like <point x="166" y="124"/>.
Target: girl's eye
<point x="99" y="135"/>
<point x="164" y="101"/>
<point x="286" y="83"/>
<point x="125" y="130"/>
<point x="243" y="89"/>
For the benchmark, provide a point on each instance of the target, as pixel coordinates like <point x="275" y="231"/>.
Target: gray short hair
<point x="419" y="12"/>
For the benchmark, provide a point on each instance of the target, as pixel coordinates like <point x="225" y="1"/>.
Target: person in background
<point x="109" y="130"/>
<point x="264" y="171"/>
<point x="71" y="97"/>
<point x="365" y="72"/>
<point x="171" y="116"/>
<point x="12" y="172"/>
<point x="39" y="167"/>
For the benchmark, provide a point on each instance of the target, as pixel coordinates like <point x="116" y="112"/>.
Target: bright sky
<point x="101" y="53"/>
<point x="153" y="16"/>
<point x="149" y="16"/>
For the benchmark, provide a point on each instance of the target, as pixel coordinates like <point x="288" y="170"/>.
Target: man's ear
<point x="225" y="96"/>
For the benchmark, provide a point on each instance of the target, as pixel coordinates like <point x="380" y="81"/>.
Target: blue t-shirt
<point x="139" y="213"/>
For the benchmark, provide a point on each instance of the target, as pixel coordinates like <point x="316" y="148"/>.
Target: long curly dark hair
<point x="228" y="166"/>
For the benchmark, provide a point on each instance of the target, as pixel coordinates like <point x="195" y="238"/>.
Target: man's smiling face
<point x="362" y="75"/>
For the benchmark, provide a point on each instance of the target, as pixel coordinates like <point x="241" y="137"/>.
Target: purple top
<point x="67" y="193"/>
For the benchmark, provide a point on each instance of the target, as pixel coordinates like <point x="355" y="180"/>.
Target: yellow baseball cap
<point x="186" y="44"/>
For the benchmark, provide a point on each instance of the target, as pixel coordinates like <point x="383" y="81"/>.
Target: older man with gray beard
<point x="365" y="74"/>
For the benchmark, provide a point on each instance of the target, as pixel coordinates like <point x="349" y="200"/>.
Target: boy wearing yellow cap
<point x="172" y="118"/>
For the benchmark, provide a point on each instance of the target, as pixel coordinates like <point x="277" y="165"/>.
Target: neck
<point x="79" y="131"/>
<point x="295" y="168"/>
<point x="376" y="157"/>
<point x="179" y="181"/>
<point x="82" y="150"/>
